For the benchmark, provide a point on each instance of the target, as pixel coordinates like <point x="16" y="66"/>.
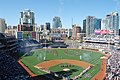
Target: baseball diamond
<point x="53" y="62"/>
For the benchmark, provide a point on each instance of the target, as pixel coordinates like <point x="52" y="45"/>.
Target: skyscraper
<point x="2" y="25"/>
<point x="27" y="17"/>
<point x="47" y="24"/>
<point x="91" y="24"/>
<point x="27" y="21"/>
<point x="41" y="27"/>
<point x="84" y="26"/>
<point x="97" y="24"/>
<point x="112" y="22"/>
<point x="57" y="22"/>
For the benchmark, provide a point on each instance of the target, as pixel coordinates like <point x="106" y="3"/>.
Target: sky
<point x="67" y="10"/>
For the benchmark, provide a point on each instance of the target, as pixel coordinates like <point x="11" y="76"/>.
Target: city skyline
<point x="67" y="10"/>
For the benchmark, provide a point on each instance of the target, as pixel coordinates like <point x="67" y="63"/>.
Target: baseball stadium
<point x="64" y="64"/>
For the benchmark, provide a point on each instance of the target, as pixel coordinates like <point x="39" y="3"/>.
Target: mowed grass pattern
<point x="73" y="54"/>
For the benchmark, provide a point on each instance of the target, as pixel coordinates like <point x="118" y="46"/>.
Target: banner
<point x="34" y="35"/>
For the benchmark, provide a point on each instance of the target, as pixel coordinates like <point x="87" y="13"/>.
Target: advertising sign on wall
<point x="19" y="35"/>
<point x="27" y="35"/>
<point x="97" y="31"/>
<point x="34" y="35"/>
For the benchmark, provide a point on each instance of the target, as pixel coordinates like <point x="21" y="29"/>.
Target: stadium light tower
<point x="108" y="28"/>
<point x="45" y="34"/>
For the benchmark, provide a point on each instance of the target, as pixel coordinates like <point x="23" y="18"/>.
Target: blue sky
<point x="45" y="10"/>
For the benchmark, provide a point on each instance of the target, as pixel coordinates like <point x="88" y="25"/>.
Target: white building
<point x="2" y="25"/>
<point x="112" y="22"/>
<point x="27" y="17"/>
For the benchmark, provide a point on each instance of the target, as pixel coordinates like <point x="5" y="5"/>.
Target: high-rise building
<point x="89" y="25"/>
<point x="41" y="27"/>
<point x="47" y="24"/>
<point x="27" y="17"/>
<point x="27" y="25"/>
<point x="84" y="26"/>
<point x="112" y="22"/>
<point x="75" y="31"/>
<point x="97" y="24"/>
<point x="2" y="25"/>
<point x="57" y="22"/>
<point x="45" y="27"/>
<point x="92" y="24"/>
<point x="27" y="21"/>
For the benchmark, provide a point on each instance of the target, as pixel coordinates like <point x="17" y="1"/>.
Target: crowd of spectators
<point x="9" y="68"/>
<point x="96" y="46"/>
<point x="58" y="45"/>
<point x="113" y="65"/>
<point x="28" y="45"/>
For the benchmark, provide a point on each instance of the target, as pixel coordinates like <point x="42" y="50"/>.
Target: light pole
<point x="45" y="34"/>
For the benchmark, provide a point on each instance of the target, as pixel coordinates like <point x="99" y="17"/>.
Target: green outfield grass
<point x="74" y="54"/>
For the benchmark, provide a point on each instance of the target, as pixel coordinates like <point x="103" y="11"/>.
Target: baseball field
<point x="64" y="62"/>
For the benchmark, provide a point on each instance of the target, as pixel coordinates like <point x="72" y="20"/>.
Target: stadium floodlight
<point x="80" y="57"/>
